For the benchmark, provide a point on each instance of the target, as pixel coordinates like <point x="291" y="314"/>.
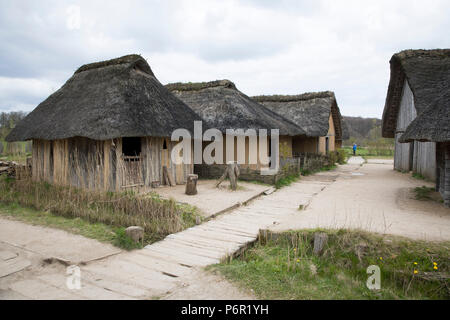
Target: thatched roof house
<point x="223" y="107"/>
<point x="432" y="125"/>
<point x="116" y="109"/>
<point x="106" y="100"/>
<point x="419" y="83"/>
<point x="317" y="113"/>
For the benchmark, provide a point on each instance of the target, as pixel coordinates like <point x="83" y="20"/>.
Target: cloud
<point x="265" y="47"/>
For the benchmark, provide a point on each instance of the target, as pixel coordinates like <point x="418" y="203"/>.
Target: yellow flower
<point x="298" y="260"/>
<point x="415" y="263"/>
<point x="416" y="272"/>
<point x="381" y="258"/>
<point x="295" y="249"/>
<point x="435" y="263"/>
<point x="435" y="268"/>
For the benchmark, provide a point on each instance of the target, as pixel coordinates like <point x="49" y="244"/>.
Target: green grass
<point x="286" y="181"/>
<point x="286" y="268"/>
<point x="20" y="158"/>
<point x="307" y="172"/>
<point x="98" y="231"/>
<point x="371" y="153"/>
<point x="424" y="193"/>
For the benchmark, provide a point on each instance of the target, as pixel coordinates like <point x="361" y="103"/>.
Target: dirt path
<point x="376" y="198"/>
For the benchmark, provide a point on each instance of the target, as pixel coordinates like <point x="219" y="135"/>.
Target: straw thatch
<point x="428" y="75"/>
<point x="310" y="111"/>
<point x="223" y="106"/>
<point x="431" y="125"/>
<point x="105" y="100"/>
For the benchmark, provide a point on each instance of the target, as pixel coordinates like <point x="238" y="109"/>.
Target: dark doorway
<point x="327" y="144"/>
<point x="131" y="147"/>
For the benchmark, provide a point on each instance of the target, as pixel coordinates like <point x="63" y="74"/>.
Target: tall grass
<point x="283" y="266"/>
<point x="158" y="217"/>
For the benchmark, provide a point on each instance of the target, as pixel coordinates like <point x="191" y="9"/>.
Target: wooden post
<point x="168" y="177"/>
<point x="191" y="184"/>
<point x="320" y="240"/>
<point x="232" y="171"/>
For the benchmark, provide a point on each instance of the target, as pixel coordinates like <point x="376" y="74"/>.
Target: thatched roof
<point x="433" y="124"/>
<point x="428" y="75"/>
<point x="104" y="100"/>
<point x="223" y="106"/>
<point x="310" y="111"/>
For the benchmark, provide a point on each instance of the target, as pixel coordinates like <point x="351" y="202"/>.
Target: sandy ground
<point x="53" y="243"/>
<point x="34" y="260"/>
<point x="376" y="198"/>
<point x="208" y="286"/>
<point x="211" y="200"/>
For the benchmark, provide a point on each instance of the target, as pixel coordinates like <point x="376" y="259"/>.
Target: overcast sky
<point x="265" y="47"/>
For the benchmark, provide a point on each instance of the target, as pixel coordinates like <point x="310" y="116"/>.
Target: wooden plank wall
<point x="92" y="164"/>
<point x="446" y="180"/>
<point x="407" y="113"/>
<point x="424" y="159"/>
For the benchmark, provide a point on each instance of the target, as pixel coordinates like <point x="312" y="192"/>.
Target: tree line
<point x="8" y="120"/>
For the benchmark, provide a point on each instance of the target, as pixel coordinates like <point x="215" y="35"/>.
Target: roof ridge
<point x="298" y="97"/>
<point x="133" y="59"/>
<point x="413" y="53"/>
<point x="196" y="86"/>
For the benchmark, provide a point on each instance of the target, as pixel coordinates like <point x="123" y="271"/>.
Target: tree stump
<point x="320" y="240"/>
<point x="232" y="171"/>
<point x="135" y="233"/>
<point x="191" y="184"/>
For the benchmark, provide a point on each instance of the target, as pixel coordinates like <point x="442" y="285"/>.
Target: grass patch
<point x="19" y="158"/>
<point x="286" y="181"/>
<point x="158" y="217"/>
<point x="285" y="268"/>
<point x="418" y="176"/>
<point x="307" y="172"/>
<point x="371" y="153"/>
<point x="98" y="231"/>
<point x="423" y="193"/>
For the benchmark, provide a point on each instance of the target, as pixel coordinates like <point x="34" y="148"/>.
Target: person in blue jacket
<point x="354" y="149"/>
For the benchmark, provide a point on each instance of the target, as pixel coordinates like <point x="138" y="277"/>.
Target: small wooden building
<point x="223" y="106"/>
<point x="317" y="113"/>
<point x="108" y="128"/>
<point x="418" y="79"/>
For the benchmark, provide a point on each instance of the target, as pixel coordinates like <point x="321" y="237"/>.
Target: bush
<point x="341" y="155"/>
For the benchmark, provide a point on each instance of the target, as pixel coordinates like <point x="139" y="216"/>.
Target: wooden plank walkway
<point x="160" y="268"/>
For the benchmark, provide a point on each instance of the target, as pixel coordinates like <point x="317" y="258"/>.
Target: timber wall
<point x="420" y="157"/>
<point x="93" y="164"/>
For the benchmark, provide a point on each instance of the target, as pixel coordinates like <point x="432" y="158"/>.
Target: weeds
<point x="418" y="176"/>
<point x="286" y="181"/>
<point x="158" y="217"/>
<point x="423" y="193"/>
<point x="283" y="266"/>
<point x="122" y="240"/>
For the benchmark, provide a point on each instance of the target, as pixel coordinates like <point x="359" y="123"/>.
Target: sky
<point x="264" y="47"/>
